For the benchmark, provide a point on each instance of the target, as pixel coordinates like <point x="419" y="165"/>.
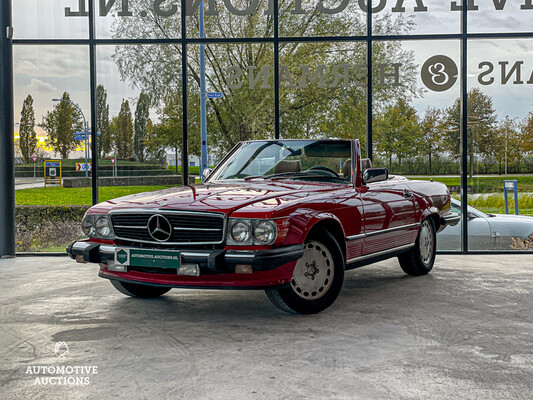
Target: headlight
<point x="97" y="226"/>
<point x="259" y="232"/>
<point x="241" y="232"/>
<point x="265" y="232"/>
<point x="102" y="226"/>
<point x="87" y="225"/>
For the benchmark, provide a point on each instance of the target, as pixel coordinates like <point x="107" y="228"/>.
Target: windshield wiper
<point x="249" y="178"/>
<point x="278" y="175"/>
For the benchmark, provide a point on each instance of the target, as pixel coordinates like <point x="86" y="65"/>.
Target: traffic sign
<point x="113" y="161"/>
<point x="34" y="158"/>
<point x="52" y="172"/>
<point x="81" y="167"/>
<point x="214" y="95"/>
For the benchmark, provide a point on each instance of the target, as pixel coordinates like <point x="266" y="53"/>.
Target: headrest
<point x="347" y="168"/>
<point x="288" y="166"/>
<point x="366" y="163"/>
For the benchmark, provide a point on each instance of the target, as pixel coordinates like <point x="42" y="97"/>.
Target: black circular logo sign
<point x="159" y="228"/>
<point x="439" y="73"/>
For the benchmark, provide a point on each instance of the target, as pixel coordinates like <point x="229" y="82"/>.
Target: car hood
<point x="224" y="198"/>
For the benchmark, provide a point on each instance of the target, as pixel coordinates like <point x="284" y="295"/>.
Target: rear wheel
<point x="317" y="278"/>
<point x="141" y="291"/>
<point x="420" y="258"/>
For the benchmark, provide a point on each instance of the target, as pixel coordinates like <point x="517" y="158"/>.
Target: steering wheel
<point x="328" y="171"/>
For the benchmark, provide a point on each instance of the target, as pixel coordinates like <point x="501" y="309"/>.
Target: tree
<point x="246" y="109"/>
<point x="27" y="136"/>
<point x="481" y="120"/>
<point x="504" y="143"/>
<point x="526" y="133"/>
<point x="60" y="125"/>
<point x="431" y="134"/>
<point x="397" y="131"/>
<point x="123" y="131"/>
<point x="142" y="114"/>
<point x="102" y="120"/>
<point x="169" y="132"/>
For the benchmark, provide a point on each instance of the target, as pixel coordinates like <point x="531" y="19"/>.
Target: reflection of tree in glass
<point x="247" y="112"/>
<point x="60" y="125"/>
<point x="27" y="135"/>
<point x="398" y="131"/>
<point x="142" y="113"/>
<point x="102" y="121"/>
<point x="481" y="124"/>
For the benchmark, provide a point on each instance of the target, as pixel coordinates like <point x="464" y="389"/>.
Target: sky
<point x="46" y="72"/>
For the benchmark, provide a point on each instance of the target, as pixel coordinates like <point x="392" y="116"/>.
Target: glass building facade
<point x="433" y="90"/>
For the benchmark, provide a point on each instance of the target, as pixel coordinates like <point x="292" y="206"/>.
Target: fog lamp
<point x="243" y="269"/>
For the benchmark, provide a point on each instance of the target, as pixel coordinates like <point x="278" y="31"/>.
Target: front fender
<point x="303" y="221"/>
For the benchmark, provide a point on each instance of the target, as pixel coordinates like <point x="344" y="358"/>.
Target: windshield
<point x="318" y="160"/>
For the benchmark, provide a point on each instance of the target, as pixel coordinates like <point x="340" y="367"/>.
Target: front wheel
<point x="135" y="290"/>
<point x="317" y="278"/>
<point x="420" y="258"/>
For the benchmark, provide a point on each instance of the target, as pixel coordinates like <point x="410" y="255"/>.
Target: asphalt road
<point x="463" y="332"/>
<point x="29" y="183"/>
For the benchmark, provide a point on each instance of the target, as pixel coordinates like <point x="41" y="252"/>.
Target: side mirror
<point x="471" y="215"/>
<point x="375" y="175"/>
<point x="205" y="174"/>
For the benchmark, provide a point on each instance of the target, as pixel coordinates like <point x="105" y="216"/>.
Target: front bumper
<point x="222" y="261"/>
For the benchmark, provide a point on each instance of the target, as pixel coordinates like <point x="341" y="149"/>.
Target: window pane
<point x="240" y="97"/>
<point x="45" y="129"/>
<point x="323" y="90"/>
<point x="140" y="19"/>
<point x="50" y="19"/>
<point x="415" y="17"/>
<point x="500" y="121"/>
<point x="415" y="128"/>
<point x="140" y="118"/>
<point x="233" y="19"/>
<point x="321" y="18"/>
<point x="500" y="16"/>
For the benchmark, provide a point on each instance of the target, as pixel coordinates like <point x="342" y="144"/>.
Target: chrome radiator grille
<point x="188" y="227"/>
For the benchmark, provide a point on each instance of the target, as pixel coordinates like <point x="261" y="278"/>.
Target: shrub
<point x="42" y="227"/>
<point x="519" y="244"/>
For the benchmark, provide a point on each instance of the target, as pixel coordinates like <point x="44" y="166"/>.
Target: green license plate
<point x="148" y="258"/>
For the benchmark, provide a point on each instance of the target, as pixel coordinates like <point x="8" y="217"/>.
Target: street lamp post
<point x="203" y="100"/>
<point x="85" y="131"/>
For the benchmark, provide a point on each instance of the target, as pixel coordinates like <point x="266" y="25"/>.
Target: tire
<point x="420" y="258"/>
<point x="317" y="278"/>
<point x="140" y="291"/>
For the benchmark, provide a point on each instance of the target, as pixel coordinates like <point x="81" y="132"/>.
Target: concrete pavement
<point x="463" y="332"/>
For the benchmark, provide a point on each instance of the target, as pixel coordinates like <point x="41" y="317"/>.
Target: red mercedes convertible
<point x="286" y="216"/>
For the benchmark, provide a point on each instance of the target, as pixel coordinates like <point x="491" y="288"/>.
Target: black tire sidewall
<point x="411" y="261"/>
<point x="420" y="262"/>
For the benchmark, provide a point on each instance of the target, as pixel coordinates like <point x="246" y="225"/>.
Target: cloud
<point x="39" y="87"/>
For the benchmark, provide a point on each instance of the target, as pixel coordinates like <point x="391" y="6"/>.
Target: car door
<point x="389" y="216"/>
